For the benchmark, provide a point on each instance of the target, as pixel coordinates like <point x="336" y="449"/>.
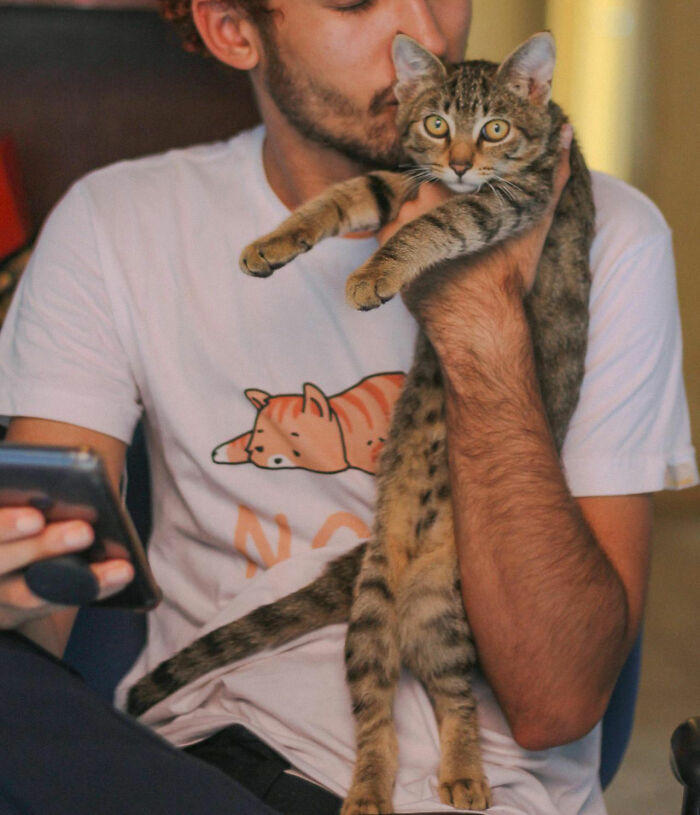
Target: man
<point x="133" y="304"/>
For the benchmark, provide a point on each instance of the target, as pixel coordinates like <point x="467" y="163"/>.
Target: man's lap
<point x="65" y="750"/>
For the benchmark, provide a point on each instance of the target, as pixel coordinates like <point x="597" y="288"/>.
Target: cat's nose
<point x="460" y="168"/>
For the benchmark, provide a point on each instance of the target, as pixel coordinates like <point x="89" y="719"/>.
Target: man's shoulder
<point x="626" y="219"/>
<point x="175" y="167"/>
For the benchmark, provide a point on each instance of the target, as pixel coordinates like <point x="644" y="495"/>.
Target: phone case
<point x="70" y="483"/>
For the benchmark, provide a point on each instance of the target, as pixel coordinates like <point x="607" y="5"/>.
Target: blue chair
<point x="685" y="763"/>
<point x="105" y="642"/>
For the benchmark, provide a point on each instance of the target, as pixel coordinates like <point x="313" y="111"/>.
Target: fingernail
<point x="29" y="524"/>
<point x="117" y="575"/>
<point x="77" y="536"/>
<point x="567" y="136"/>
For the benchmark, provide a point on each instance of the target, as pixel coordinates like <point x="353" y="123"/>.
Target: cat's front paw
<point x="370" y="286"/>
<point x="262" y="257"/>
<point x="366" y="802"/>
<point x="466" y="793"/>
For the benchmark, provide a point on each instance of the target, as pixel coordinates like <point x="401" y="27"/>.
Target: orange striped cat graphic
<point x="312" y="431"/>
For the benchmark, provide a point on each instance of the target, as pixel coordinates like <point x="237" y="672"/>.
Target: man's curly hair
<point x="179" y="13"/>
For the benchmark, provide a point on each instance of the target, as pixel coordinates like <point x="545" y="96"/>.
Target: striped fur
<point x="323" y="602"/>
<point x="312" y="431"/>
<point x="406" y="605"/>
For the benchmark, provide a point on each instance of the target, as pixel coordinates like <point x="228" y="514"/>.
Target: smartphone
<point x="70" y="483"/>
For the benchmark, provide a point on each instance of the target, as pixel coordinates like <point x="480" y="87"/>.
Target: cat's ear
<point x="414" y="65"/>
<point x="316" y="402"/>
<point x="258" y="398"/>
<point x="529" y="69"/>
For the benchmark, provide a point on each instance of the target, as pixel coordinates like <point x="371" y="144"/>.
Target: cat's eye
<point x="436" y="126"/>
<point x="495" y="130"/>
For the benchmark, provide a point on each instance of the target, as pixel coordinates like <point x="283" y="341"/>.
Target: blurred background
<point x="84" y="84"/>
<point x="628" y="74"/>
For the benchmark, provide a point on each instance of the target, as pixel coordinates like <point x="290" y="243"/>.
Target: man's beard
<point x="306" y="103"/>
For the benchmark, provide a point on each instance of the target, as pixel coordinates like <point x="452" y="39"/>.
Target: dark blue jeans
<point x="64" y="751"/>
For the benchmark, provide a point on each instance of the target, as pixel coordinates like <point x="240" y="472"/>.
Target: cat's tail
<point x="325" y="601"/>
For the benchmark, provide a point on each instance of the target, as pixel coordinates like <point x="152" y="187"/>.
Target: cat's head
<point x="478" y="122"/>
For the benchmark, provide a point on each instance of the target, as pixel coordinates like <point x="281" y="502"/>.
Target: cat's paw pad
<point x="365" y="290"/>
<point x="466" y="793"/>
<point x="261" y="258"/>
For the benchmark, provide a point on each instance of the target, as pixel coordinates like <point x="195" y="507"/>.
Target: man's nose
<point x="418" y="21"/>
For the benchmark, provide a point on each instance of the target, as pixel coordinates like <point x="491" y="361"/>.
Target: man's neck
<point x="296" y="167"/>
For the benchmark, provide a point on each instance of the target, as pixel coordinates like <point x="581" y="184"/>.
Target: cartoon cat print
<point x="312" y="431"/>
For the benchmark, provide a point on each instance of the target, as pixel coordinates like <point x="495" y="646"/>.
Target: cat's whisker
<point x="496" y="192"/>
<point x="508" y="188"/>
<point x="415" y="168"/>
<point x="420" y="174"/>
<point x="421" y="170"/>
<point x="508" y="183"/>
<point x="508" y="193"/>
<point x="498" y="180"/>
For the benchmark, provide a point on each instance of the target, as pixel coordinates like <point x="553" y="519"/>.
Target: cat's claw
<point x="466" y="793"/>
<point x="365" y="293"/>
<point x="253" y="262"/>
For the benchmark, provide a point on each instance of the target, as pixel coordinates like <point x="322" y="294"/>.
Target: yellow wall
<point x="500" y="25"/>
<point x="598" y="79"/>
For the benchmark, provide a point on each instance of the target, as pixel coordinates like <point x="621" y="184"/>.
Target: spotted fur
<point x="402" y="599"/>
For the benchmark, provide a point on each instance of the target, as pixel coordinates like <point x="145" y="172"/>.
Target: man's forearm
<point x="547" y="608"/>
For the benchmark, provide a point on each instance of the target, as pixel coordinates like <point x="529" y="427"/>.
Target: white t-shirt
<point x="133" y="305"/>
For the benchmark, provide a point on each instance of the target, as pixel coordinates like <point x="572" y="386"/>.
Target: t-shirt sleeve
<point x="630" y="432"/>
<point x="60" y="353"/>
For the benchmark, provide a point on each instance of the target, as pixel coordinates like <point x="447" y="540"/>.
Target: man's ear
<point x="227" y="33"/>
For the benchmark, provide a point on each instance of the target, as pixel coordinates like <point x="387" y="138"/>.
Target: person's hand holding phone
<point x="25" y="538"/>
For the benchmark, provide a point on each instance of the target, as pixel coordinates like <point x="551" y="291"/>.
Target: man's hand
<point x="25" y="539"/>
<point x="513" y="264"/>
<point x="518" y="258"/>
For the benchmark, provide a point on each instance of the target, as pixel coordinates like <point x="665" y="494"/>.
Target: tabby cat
<point x="492" y="135"/>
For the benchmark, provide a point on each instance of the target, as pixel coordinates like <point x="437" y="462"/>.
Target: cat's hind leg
<point x="363" y="203"/>
<point x="372" y="669"/>
<point x="436" y="645"/>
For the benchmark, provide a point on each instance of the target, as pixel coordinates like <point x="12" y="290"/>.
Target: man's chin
<point x="372" y="153"/>
<point x="377" y="145"/>
<point x="370" y="148"/>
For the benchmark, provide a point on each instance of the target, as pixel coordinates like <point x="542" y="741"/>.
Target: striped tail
<point x="324" y="602"/>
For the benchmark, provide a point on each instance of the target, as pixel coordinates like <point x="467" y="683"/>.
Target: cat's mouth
<point x="462" y="187"/>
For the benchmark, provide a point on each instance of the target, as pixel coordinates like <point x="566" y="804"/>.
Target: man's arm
<point x="47" y="624"/>
<point x="553" y="588"/>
